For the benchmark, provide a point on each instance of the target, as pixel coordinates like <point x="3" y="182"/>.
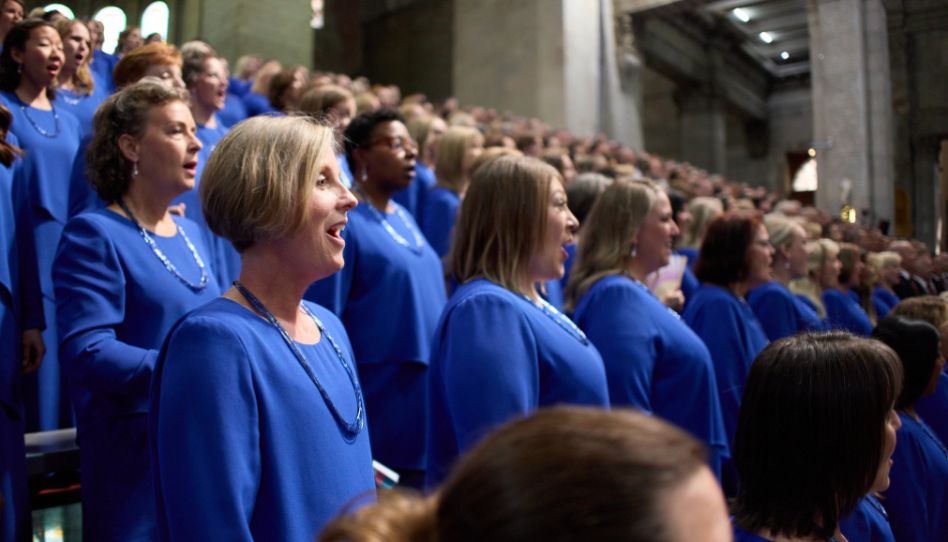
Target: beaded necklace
<point x="349" y="429"/>
<point x="648" y="290"/>
<point x="164" y="259"/>
<point x="558" y="318"/>
<point x="26" y="113"/>
<point x="419" y="240"/>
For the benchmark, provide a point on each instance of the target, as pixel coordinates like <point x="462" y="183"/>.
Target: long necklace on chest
<point x="558" y="318"/>
<point x="349" y="429"/>
<point x="202" y="283"/>
<point x="419" y="240"/>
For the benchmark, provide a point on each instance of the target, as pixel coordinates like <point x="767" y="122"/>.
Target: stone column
<point x="703" y="128"/>
<point x="269" y="28"/>
<point x="852" y="108"/>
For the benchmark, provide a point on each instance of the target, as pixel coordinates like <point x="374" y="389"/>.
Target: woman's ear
<point x="129" y="146"/>
<point x="16" y="55"/>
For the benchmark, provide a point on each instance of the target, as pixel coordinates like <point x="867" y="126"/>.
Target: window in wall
<point x="113" y="19"/>
<point x="65" y="10"/>
<point x="155" y="19"/>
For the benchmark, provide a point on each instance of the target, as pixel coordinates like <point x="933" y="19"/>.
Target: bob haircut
<point x="928" y="308"/>
<point x="318" y="100"/>
<point x="783" y="231"/>
<point x="125" y="112"/>
<point x="703" y="210"/>
<point x="810" y="436"/>
<point x="257" y="184"/>
<point x="136" y="62"/>
<point x="723" y="257"/>
<point x="879" y="260"/>
<point x="421" y="129"/>
<point x="279" y="84"/>
<point x="192" y="67"/>
<point x="849" y="254"/>
<point x="82" y="79"/>
<point x="16" y="39"/>
<point x="583" y="192"/>
<point x="359" y="132"/>
<point x="449" y="166"/>
<point x="502" y="219"/>
<point x="565" y="473"/>
<point x="918" y="345"/>
<point x="610" y="234"/>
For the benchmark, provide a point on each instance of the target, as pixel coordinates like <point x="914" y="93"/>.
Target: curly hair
<point x="125" y="112"/>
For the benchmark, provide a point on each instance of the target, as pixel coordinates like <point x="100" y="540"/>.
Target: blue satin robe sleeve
<point x="215" y="449"/>
<point x="90" y="303"/>
<point x="489" y="372"/>
<point x="438" y="216"/>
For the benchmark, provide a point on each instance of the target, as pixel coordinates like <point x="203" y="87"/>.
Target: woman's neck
<point x="639" y="271"/>
<point x="203" y="115"/>
<point x="32" y="94"/>
<point x="150" y="210"/>
<point x="739" y="289"/>
<point x="376" y="197"/>
<point x="781" y="272"/>
<point x="65" y="78"/>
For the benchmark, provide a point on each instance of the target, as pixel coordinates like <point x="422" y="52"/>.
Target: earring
<point x="19" y="68"/>
<point x="134" y="169"/>
<point x="633" y="251"/>
<point x="363" y="177"/>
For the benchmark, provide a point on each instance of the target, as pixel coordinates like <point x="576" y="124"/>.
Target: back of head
<point x="917" y="344"/>
<point x="501" y="220"/>
<point x="809" y="438"/>
<point x="449" y="167"/>
<point x="723" y="257"/>
<point x="583" y="192"/>
<point x="703" y="210"/>
<point x="928" y="308"/>
<point x="567" y="474"/>
<point x="849" y="254"/>
<point x="782" y="230"/>
<point x="135" y="63"/>
<point x="317" y="101"/>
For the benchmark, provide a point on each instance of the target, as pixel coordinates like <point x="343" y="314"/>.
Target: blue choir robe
<point x="103" y="64"/>
<point x="689" y="284"/>
<point x="843" y="312"/>
<point x="690" y="253"/>
<point x="740" y="535"/>
<point x="244" y="446"/>
<point x="21" y="308"/>
<point x="884" y="301"/>
<point x="82" y="106"/>
<point x="389" y="297"/>
<point x="438" y="214"/>
<point x="257" y="104"/>
<point x="734" y="337"/>
<point x="233" y="111"/>
<point x="495" y="357"/>
<point x="654" y="361"/>
<point x="47" y="166"/>
<point x="413" y="197"/>
<point x="869" y="522"/>
<point x="780" y="312"/>
<point x="116" y="302"/>
<point x="225" y="259"/>
<point x="934" y="408"/>
<point x="917" y="498"/>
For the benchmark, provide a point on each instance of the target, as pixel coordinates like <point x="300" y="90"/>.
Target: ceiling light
<point x="766" y="37"/>
<point x="784" y="55"/>
<point x="741" y="14"/>
<point x="812" y="152"/>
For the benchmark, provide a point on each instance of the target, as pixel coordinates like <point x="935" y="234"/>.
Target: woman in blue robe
<point x="887" y="266"/>
<point x="123" y="275"/>
<point x="654" y="361"/>
<point x="735" y="257"/>
<point x="273" y="443"/>
<point x="843" y="310"/>
<point x="809" y="473"/>
<point x="917" y="499"/>
<point x="21" y="343"/>
<point x="781" y="313"/>
<point x="389" y="294"/>
<point x="458" y="149"/>
<point x="49" y="137"/>
<point x="78" y="92"/>
<point x="427" y="132"/>
<point x="500" y="350"/>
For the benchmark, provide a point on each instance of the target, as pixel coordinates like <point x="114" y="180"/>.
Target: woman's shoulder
<point x="613" y="289"/>
<point x="220" y="317"/>
<point x="771" y="292"/>
<point x="482" y="291"/>
<point x="101" y="221"/>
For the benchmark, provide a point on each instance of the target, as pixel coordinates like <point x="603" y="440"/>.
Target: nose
<point x="674" y="229"/>
<point x="572" y="223"/>
<point x="348" y="199"/>
<point x="195" y="143"/>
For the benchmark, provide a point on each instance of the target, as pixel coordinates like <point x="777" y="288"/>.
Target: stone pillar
<point x="269" y="28"/>
<point x="544" y="59"/>
<point x="703" y="128"/>
<point x="852" y="108"/>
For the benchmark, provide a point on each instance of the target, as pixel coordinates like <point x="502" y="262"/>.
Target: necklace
<point x="164" y="259"/>
<point x="419" y="240"/>
<point x="349" y="429"/>
<point x="40" y="131"/>
<point x="559" y="319"/>
<point x="646" y="289"/>
<point x="876" y="505"/>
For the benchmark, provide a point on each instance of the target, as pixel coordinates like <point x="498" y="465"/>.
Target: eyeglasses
<point x="397" y="144"/>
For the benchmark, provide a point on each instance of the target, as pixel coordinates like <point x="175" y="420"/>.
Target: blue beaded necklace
<point x="164" y="259"/>
<point x="25" y="109"/>
<point x="349" y="429"/>
<point x="419" y="240"/>
<point x="559" y="318"/>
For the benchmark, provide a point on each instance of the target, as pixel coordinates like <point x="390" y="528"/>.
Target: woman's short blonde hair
<point x="609" y="235"/>
<point x="258" y="181"/>
<point x="703" y="210"/>
<point x="502" y="220"/>
<point x="783" y="231"/>
<point x="449" y="167"/>
<point x="878" y="260"/>
<point x="317" y="101"/>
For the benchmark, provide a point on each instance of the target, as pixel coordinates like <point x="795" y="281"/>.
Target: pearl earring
<point x="134" y="169"/>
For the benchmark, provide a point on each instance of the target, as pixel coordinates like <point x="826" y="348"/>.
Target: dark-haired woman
<point x="804" y="469"/>
<point x="77" y="91"/>
<point x="11" y="12"/>
<point x="500" y="350"/>
<point x="389" y="294"/>
<point x="843" y="310"/>
<point x="21" y="343"/>
<point x="31" y="59"/>
<point x="123" y="275"/>
<point x="654" y="361"/>
<point x="917" y="499"/>
<point x="735" y="258"/>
